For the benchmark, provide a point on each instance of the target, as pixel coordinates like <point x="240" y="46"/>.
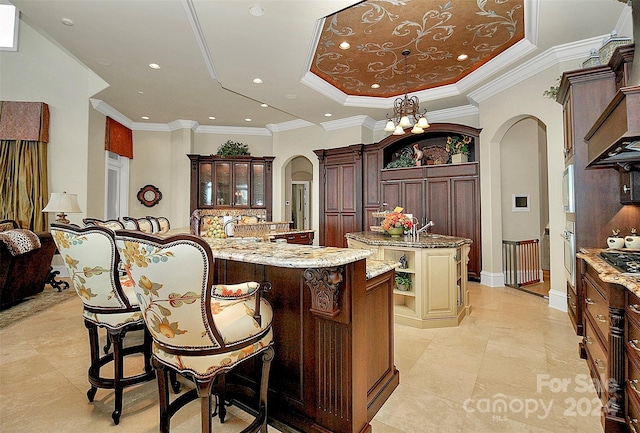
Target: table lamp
<point x="62" y="203"/>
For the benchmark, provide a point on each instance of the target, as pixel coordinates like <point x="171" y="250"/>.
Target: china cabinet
<point x="242" y="182"/>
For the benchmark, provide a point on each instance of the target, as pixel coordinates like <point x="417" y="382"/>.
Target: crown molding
<point x="358" y="121"/>
<point x="547" y="59"/>
<point x="233" y="130"/>
<point x="192" y="17"/>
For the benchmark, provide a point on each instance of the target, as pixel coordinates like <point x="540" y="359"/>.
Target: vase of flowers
<point x="458" y="148"/>
<point x="396" y="223"/>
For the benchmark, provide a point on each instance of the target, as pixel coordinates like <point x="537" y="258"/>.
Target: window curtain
<point x="24" y="133"/>
<point x="118" y="139"/>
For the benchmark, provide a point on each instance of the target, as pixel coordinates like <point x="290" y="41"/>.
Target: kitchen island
<point x="434" y="268"/>
<point x="333" y="331"/>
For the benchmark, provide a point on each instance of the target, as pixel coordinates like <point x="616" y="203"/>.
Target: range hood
<point x="614" y="139"/>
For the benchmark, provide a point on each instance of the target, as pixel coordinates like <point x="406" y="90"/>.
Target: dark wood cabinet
<point x="584" y="94"/>
<point x="603" y="344"/>
<point x="340" y="194"/>
<point x="405" y="187"/>
<point x="629" y="187"/>
<point x="454" y="205"/>
<point x="354" y="183"/>
<point x="243" y="182"/>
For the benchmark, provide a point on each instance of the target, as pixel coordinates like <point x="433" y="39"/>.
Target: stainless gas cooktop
<point x="624" y="261"/>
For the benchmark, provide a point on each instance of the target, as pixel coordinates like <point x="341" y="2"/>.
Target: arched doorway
<point x="525" y="206"/>
<point x="298" y="178"/>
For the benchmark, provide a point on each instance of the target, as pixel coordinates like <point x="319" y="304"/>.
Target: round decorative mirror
<point x="149" y="195"/>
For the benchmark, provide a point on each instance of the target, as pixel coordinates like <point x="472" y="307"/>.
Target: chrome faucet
<point x="425" y="227"/>
<point x="231" y="221"/>
<point x="416" y="232"/>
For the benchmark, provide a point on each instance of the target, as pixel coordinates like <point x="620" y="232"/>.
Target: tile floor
<point x="512" y="366"/>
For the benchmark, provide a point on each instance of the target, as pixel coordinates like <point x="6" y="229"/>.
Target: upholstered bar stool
<point x="92" y="259"/>
<point x="199" y="330"/>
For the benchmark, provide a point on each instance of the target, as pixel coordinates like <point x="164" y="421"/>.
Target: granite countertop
<point x="282" y="254"/>
<point x="429" y="240"/>
<point x="288" y="232"/>
<point x="608" y="273"/>
<point x="378" y="267"/>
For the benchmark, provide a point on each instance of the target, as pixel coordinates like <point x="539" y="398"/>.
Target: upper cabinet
<point x="239" y="182"/>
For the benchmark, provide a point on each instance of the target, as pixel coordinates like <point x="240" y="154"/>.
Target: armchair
<point x="24" y="274"/>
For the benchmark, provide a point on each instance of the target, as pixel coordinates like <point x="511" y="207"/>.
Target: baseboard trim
<point x="558" y="300"/>
<point x="492" y="279"/>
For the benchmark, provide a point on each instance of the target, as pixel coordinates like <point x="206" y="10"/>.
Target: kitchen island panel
<point x="333" y="330"/>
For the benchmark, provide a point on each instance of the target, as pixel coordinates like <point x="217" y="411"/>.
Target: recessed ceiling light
<point x="328" y="114"/>
<point x="291" y="96"/>
<point x="212" y="117"/>
<point x="375" y="86"/>
<point x="256" y="10"/>
<point x="345" y="45"/>
<point x="264" y="105"/>
<point x="154" y="66"/>
<point x="145" y="117"/>
<point x="257" y="81"/>
<point x="247" y="120"/>
<point x="140" y="92"/>
<point x="67" y="21"/>
<point x="462" y="57"/>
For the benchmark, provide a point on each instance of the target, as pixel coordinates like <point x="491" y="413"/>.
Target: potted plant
<point x="403" y="281"/>
<point x="458" y="148"/>
<point x="232" y="148"/>
<point x="404" y="159"/>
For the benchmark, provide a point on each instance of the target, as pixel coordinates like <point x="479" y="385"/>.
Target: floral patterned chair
<point x="200" y="331"/>
<point x="110" y="224"/>
<point x="92" y="259"/>
<point x="159" y="225"/>
<point x="142" y="224"/>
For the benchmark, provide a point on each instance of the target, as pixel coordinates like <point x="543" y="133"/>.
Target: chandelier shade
<point x="406" y="110"/>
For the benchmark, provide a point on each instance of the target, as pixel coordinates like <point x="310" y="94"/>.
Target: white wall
<point x="519" y="168"/>
<point x="41" y="72"/>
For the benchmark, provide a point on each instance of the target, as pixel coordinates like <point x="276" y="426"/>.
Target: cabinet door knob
<point x="587" y="340"/>
<point x="634" y="308"/>
<point x="626" y="189"/>
<point x="601" y="318"/>
<point x="633" y="343"/>
<point x="632" y="384"/>
<point x="599" y="363"/>
<point x="588" y="301"/>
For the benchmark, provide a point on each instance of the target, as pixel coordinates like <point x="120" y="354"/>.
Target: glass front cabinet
<point x="241" y="182"/>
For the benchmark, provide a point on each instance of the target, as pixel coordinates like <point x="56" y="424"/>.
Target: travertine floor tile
<point x="511" y="347"/>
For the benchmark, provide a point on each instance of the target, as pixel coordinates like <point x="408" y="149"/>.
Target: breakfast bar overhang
<point x="333" y="331"/>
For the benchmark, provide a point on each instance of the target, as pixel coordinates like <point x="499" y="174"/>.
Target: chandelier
<point x="406" y="111"/>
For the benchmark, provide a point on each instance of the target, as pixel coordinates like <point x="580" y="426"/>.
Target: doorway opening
<point x="300" y="204"/>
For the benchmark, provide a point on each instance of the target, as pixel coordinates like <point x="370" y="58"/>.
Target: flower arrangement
<point x="456" y="144"/>
<point x="397" y="219"/>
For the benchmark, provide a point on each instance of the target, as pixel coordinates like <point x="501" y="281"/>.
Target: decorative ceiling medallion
<point x="435" y="31"/>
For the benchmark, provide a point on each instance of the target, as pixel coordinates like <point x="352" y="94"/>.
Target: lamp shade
<point x="62" y="203"/>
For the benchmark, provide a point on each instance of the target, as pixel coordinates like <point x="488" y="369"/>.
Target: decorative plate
<point x="437" y="154"/>
<point x="149" y="195"/>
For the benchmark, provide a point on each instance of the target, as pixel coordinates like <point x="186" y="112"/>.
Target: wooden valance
<point x="24" y="121"/>
<point x="118" y="139"/>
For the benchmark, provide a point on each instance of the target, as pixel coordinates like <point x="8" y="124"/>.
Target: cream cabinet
<point x="438" y="295"/>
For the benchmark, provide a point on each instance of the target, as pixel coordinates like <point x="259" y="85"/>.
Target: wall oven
<point x="569" y="236"/>
<point x="568" y="200"/>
